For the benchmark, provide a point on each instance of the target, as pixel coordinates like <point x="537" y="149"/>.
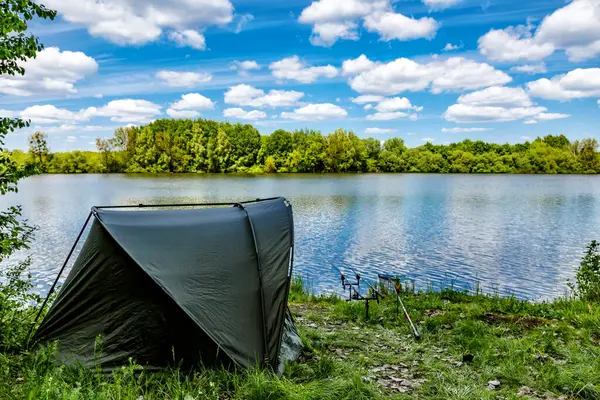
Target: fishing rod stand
<point x="354" y="294"/>
<point x="359" y="297"/>
<point x="351" y="286"/>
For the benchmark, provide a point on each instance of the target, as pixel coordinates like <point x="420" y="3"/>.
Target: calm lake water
<point x="521" y="235"/>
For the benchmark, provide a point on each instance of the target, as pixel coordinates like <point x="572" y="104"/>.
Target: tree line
<point x="209" y="146"/>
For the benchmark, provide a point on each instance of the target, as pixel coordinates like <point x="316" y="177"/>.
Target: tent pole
<point x="237" y="204"/>
<point x="260" y="284"/>
<point x="290" y="277"/>
<point x="53" y="287"/>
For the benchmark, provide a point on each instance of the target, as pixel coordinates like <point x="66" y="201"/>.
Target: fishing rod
<point x="398" y="288"/>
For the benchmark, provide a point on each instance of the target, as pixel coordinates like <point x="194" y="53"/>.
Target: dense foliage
<point x="210" y="146"/>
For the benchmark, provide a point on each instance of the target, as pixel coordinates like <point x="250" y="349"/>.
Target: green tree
<point x="278" y="145"/>
<point x="106" y="147"/>
<point x="462" y="162"/>
<point x="344" y="151"/>
<point x="373" y="149"/>
<point x="223" y="152"/>
<point x="587" y="151"/>
<point x="197" y="148"/>
<point x="244" y="141"/>
<point x="38" y="147"/>
<point x="558" y="142"/>
<point x="390" y="158"/>
<point x="16" y="46"/>
<point x="270" y="165"/>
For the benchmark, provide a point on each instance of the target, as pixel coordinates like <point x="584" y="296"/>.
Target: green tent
<point x="179" y="286"/>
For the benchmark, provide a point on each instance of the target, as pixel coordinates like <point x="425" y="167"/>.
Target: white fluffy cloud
<point x="451" y="47"/>
<point x="386" y="116"/>
<point x="395" y="104"/>
<point x="496" y="104"/>
<point x="574" y="28"/>
<point x="126" y="110"/>
<point x="551" y="116"/>
<point x="293" y="69"/>
<point x="390" y="25"/>
<point x="364" y="99"/>
<point x="122" y="110"/>
<point x="51" y="72"/>
<point x="244" y="66"/>
<point x="530" y="69"/>
<point x="326" y="34"/>
<point x="189" y="105"/>
<point x="379" y="131"/>
<point x="243" y="114"/>
<point x="137" y="22"/>
<point x="49" y="114"/>
<point x="392" y="78"/>
<point x="462" y="113"/>
<point x="188" y="38"/>
<point x="246" y="95"/>
<point x="464" y="130"/>
<point x="183" y="79"/>
<point x="316" y="112"/>
<point x="576" y="84"/>
<point x="500" y="96"/>
<point x="513" y="44"/>
<point x="402" y="74"/>
<point x="356" y="66"/>
<point x="333" y="20"/>
<point x="459" y="73"/>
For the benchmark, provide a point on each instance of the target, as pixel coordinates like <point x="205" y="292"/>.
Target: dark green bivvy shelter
<point x="179" y="286"/>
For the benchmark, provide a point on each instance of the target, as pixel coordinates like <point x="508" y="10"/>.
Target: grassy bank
<point x="472" y="347"/>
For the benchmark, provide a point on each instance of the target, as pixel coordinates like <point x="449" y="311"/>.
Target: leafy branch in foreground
<point x="15" y="290"/>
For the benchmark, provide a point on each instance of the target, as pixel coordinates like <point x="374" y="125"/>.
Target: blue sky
<point x="439" y="70"/>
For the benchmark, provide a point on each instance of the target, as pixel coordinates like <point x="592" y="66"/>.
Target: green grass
<point x="552" y="348"/>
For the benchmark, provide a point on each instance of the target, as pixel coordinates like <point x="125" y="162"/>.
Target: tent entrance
<point x="109" y="295"/>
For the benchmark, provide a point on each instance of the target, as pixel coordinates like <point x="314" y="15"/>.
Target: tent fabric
<point x="184" y="285"/>
<point x="291" y="345"/>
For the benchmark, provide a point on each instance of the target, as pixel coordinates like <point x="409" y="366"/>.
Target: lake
<point x="512" y="234"/>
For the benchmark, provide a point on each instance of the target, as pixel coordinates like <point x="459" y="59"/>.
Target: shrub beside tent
<point x="179" y="286"/>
